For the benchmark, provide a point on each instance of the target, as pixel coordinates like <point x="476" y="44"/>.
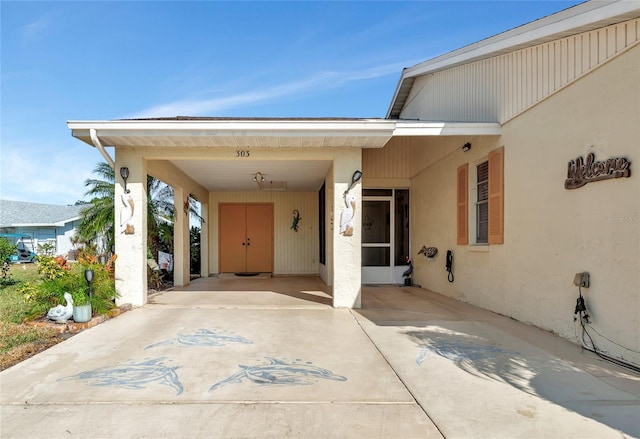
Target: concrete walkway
<point x="270" y="358"/>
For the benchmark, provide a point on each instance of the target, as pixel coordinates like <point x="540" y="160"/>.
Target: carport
<point x="243" y="162"/>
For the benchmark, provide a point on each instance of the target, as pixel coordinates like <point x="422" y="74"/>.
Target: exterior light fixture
<point x="466" y="147"/>
<point x="258" y="178"/>
<point x="88" y="276"/>
<point x="357" y="175"/>
<point x="124" y="173"/>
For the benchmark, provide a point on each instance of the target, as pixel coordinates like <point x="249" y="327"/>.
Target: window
<point x="488" y="189"/>
<point x="482" y="203"/>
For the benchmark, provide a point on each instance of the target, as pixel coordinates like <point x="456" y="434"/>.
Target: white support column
<point x="181" y="245"/>
<point x="204" y="240"/>
<point x="347" y="250"/>
<point x="131" y="241"/>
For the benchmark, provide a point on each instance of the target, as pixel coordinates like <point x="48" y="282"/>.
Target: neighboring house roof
<point x="19" y="213"/>
<point x="575" y="20"/>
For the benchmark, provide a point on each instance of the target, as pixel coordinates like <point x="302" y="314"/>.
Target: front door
<point x="246" y="238"/>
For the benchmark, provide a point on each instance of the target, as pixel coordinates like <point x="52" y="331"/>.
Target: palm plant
<point x="99" y="216"/>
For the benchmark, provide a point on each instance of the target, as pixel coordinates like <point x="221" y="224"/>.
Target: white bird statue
<point x="346" y="217"/>
<point x="62" y="313"/>
<point x="126" y="214"/>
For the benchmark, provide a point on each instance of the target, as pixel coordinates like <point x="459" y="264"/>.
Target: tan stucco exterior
<point x="550" y="233"/>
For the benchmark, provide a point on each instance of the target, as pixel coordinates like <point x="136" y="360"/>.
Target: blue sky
<point x="95" y="60"/>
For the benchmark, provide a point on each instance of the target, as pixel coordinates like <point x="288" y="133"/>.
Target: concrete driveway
<point x="270" y="358"/>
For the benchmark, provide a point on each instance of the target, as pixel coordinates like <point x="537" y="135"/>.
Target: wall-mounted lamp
<point x="258" y="178"/>
<point x="466" y="147"/>
<point x="357" y="175"/>
<point x="124" y="173"/>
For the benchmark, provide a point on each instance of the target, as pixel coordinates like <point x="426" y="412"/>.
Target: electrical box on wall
<point x="581" y="280"/>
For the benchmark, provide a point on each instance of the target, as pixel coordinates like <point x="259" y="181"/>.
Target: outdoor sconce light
<point x="357" y="175"/>
<point x="466" y="147"/>
<point x="88" y="276"/>
<point x="258" y="178"/>
<point x="124" y="173"/>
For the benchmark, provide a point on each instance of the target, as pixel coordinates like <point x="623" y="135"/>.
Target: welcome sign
<point x="581" y="171"/>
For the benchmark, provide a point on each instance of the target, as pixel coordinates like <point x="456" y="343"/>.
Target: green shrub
<point x="6" y="250"/>
<point x="59" y="277"/>
<point x="51" y="267"/>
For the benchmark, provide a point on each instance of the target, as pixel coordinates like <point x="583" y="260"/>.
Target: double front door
<point x="246" y="237"/>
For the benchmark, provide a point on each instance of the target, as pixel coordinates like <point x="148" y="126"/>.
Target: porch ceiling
<point x="237" y="176"/>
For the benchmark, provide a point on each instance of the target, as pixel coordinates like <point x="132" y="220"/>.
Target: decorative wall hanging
<point x="126" y="215"/>
<point x="296" y="220"/>
<point x="428" y="252"/>
<point x="581" y="172"/>
<point x="346" y="217"/>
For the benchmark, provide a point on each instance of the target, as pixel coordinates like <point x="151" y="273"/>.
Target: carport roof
<point x="266" y="132"/>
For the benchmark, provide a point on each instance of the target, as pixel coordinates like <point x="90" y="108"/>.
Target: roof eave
<point x="375" y="131"/>
<point x="415" y="128"/>
<point x="577" y="19"/>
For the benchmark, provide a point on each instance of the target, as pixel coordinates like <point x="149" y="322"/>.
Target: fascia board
<point x="369" y="127"/>
<point x="446" y="129"/>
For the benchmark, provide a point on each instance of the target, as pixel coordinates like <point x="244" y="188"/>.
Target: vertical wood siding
<point x="294" y="252"/>
<point x="499" y="88"/>
<point x="392" y="161"/>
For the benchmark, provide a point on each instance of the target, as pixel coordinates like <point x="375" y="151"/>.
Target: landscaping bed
<point x="24" y="328"/>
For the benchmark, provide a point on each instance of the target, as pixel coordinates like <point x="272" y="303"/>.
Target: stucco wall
<point x="294" y="252"/>
<point x="550" y="232"/>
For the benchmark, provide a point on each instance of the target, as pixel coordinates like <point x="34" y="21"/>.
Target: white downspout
<point x="97" y="144"/>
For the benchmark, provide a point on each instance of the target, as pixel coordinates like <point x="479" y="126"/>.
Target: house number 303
<point x="242" y="154"/>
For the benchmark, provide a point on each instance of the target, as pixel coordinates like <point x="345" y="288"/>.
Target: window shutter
<point x="462" y="206"/>
<point x="496" y="196"/>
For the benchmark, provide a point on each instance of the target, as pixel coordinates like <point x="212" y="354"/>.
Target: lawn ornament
<point x="62" y="313"/>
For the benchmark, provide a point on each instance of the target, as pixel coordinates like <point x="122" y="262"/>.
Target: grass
<point x="13" y="307"/>
<point x="17" y="340"/>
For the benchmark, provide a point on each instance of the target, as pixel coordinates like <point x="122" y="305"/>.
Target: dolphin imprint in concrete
<point x="203" y="337"/>
<point x="280" y="373"/>
<point x="132" y="375"/>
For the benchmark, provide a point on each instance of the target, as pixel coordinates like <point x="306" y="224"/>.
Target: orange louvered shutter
<point x="496" y="196"/>
<point x="463" y="200"/>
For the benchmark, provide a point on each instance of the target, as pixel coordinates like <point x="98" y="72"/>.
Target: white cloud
<point x="36" y="28"/>
<point x="323" y="81"/>
<point x="45" y="175"/>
